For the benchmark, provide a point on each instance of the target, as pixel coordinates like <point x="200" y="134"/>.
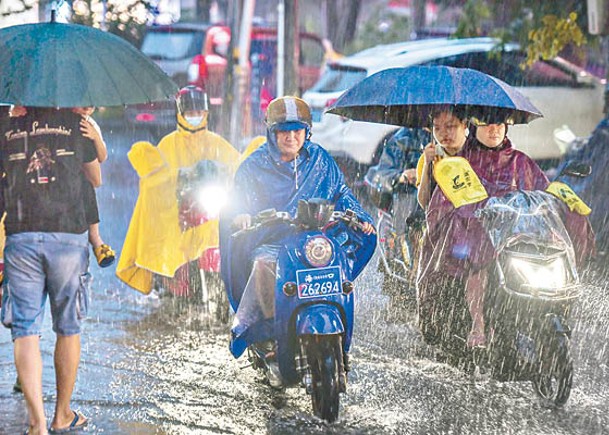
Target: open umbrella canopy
<point x="68" y="65"/>
<point x="407" y="97"/>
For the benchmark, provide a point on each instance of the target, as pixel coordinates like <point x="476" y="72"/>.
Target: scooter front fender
<point x="319" y="319"/>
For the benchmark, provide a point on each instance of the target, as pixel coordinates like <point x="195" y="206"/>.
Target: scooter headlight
<point x="211" y="199"/>
<point x="318" y="251"/>
<point x="548" y="274"/>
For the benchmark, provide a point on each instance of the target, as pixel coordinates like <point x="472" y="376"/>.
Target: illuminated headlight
<point x="551" y="274"/>
<point x="211" y="199"/>
<point x="318" y="251"/>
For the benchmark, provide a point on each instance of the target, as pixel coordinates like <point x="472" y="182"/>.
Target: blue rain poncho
<point x="264" y="181"/>
<point x="593" y="188"/>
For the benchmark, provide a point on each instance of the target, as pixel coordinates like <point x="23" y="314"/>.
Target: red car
<point x="197" y="54"/>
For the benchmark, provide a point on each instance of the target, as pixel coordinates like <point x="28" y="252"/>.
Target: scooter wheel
<point x="555" y="387"/>
<point x="323" y="355"/>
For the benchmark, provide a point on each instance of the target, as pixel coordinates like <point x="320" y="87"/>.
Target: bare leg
<point x="474" y="296"/>
<point x="94" y="236"/>
<point x="67" y="358"/>
<point x="29" y="371"/>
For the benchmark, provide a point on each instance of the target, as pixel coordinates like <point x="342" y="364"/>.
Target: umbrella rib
<point x="134" y="78"/>
<point x="101" y="65"/>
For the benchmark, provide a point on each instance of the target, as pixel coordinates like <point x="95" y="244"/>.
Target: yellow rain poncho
<point x="155" y="244"/>
<point x="252" y="146"/>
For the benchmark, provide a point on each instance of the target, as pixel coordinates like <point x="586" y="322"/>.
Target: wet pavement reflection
<point x="154" y="366"/>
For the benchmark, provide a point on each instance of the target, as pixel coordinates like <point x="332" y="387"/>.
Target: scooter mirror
<point x="577" y="169"/>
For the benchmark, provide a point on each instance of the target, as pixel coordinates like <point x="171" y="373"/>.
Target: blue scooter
<point x="321" y="255"/>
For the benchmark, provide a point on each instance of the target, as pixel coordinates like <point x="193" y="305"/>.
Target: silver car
<point x="563" y="92"/>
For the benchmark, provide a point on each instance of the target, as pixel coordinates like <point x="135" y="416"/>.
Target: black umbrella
<point x="408" y="96"/>
<point x="68" y="65"/>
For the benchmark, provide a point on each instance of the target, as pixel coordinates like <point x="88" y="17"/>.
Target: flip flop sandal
<point x="73" y="427"/>
<point x="105" y="255"/>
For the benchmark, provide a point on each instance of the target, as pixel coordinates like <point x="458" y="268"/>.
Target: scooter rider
<point x="397" y="165"/>
<point x="156" y="243"/>
<point x="282" y="171"/>
<point x="392" y="188"/>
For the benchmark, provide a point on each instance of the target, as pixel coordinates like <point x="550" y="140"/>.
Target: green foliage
<point x="555" y="33"/>
<point x="543" y="29"/>
<point x="381" y="28"/>
<point x="475" y="12"/>
<point x="125" y="19"/>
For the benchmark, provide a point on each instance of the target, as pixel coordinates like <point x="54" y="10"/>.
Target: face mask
<point x="194" y="120"/>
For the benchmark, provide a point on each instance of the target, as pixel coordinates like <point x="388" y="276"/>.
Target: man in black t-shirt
<point x="42" y="155"/>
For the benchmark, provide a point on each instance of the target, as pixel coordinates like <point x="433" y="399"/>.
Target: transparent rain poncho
<point x="258" y="300"/>
<point x="526" y="216"/>
<point x="457" y="243"/>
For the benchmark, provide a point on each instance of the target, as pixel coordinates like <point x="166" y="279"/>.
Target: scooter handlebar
<point x="349" y="217"/>
<point x="271" y="216"/>
<point x="265" y="217"/>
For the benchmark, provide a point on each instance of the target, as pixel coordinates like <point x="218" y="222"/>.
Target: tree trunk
<point x="418" y="17"/>
<point x="332" y="20"/>
<point x="292" y="48"/>
<point x="233" y="13"/>
<point x="350" y="26"/>
<point x="341" y="26"/>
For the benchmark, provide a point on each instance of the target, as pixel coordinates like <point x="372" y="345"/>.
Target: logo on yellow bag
<point x="566" y="195"/>
<point x="457" y="184"/>
<point x="458" y="181"/>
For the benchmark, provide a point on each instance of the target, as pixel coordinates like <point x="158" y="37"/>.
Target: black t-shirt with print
<point x="42" y="154"/>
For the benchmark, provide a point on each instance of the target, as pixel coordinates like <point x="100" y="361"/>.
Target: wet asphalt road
<point x="150" y="366"/>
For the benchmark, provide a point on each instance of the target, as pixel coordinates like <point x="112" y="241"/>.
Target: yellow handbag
<point x="458" y="181"/>
<point x="566" y="194"/>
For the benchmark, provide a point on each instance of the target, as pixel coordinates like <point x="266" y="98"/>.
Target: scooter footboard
<point x="319" y="319"/>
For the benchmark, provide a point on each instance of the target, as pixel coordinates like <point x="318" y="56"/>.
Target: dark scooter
<point x="532" y="288"/>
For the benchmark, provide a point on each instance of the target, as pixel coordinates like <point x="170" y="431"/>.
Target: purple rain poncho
<point x="456" y="243"/>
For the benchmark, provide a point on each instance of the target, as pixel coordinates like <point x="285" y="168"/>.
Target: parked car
<point x="563" y="92"/>
<point x="193" y="53"/>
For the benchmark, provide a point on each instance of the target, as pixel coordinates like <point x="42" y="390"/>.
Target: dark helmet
<point x="288" y="113"/>
<point x="191" y="98"/>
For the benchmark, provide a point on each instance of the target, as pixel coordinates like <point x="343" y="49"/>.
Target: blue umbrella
<point x="68" y="65"/>
<point x="408" y="96"/>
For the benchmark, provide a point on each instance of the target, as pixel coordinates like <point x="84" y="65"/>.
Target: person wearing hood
<point x="155" y="243"/>
<point x="456" y="239"/>
<point x="287" y="168"/>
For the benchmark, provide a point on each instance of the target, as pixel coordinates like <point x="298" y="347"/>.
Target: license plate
<point x="315" y="283"/>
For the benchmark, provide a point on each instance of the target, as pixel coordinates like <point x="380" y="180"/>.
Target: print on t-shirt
<point x="41" y="162"/>
<point x="42" y="154"/>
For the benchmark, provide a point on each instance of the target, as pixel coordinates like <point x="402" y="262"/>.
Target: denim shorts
<point x="38" y="265"/>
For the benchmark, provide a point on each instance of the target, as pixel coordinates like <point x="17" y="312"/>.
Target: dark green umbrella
<point x="68" y="65"/>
